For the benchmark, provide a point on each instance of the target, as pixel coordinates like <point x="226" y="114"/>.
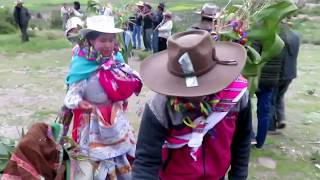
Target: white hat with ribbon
<point x="101" y="23"/>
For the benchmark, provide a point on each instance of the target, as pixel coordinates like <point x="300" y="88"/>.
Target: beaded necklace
<point x="92" y="55"/>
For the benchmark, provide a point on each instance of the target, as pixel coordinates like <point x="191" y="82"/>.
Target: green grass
<point x="308" y="31"/>
<point x="303" y="116"/>
<point x="286" y="168"/>
<point x="50" y="39"/>
<point x="311" y="11"/>
<point x="41" y="5"/>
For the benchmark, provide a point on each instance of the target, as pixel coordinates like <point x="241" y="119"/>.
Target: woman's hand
<point x="86" y="106"/>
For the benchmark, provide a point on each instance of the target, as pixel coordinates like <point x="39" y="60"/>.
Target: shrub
<point x="6" y="28"/>
<point x="51" y="36"/>
<point x="32" y="33"/>
<point x="143" y="54"/>
<point x="55" y="20"/>
<point x="6" y="21"/>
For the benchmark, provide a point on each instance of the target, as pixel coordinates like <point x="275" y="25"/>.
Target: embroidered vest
<point x="205" y="152"/>
<point x="193" y="137"/>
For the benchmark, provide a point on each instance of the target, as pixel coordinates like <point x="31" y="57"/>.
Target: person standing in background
<point x="106" y="10"/>
<point x="164" y="29"/>
<point x="157" y="19"/>
<point x="137" y="26"/>
<point x="268" y="81"/>
<point x="22" y="18"/>
<point x="147" y="17"/>
<point x="64" y="15"/>
<point x="209" y="14"/>
<point x="76" y="11"/>
<point x="288" y="72"/>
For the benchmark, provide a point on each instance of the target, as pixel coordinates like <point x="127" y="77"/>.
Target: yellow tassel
<point x="187" y="121"/>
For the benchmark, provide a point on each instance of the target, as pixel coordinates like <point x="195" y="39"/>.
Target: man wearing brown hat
<point x="199" y="122"/>
<point x="136" y="34"/>
<point x="209" y="14"/>
<point x="157" y="19"/>
<point x="147" y="27"/>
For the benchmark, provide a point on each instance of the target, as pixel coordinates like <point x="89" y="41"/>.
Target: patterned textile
<point x="86" y="61"/>
<point x="211" y="111"/>
<point x="37" y="156"/>
<point x="119" y="81"/>
<point x="104" y="135"/>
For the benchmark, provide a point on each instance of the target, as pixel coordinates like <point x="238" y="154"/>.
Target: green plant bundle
<point x="7" y="146"/>
<point x="7" y="24"/>
<point x="262" y="25"/>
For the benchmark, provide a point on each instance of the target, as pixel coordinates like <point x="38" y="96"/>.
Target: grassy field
<point x="32" y="89"/>
<point x="39" y="40"/>
<point x="40" y="5"/>
<point x="294" y="150"/>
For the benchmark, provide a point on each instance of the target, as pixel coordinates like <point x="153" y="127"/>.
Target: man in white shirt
<point x="64" y="15"/>
<point x="76" y="11"/>
<point x="164" y="29"/>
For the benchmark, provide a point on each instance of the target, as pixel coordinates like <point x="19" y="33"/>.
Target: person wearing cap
<point x="164" y="29"/>
<point x="99" y="87"/>
<point x="157" y="19"/>
<point x="147" y="27"/>
<point x="136" y="34"/>
<point x="198" y="124"/>
<point x="22" y="17"/>
<point x="209" y="14"/>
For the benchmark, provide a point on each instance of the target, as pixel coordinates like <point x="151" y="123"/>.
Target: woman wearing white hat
<point x="98" y="90"/>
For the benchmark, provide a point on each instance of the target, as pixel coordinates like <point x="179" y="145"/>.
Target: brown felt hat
<point x="209" y="10"/>
<point x="193" y="65"/>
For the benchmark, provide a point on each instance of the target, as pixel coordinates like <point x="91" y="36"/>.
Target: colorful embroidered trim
<point x="203" y="108"/>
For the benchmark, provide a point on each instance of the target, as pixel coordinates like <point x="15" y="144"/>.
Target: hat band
<point x="190" y="74"/>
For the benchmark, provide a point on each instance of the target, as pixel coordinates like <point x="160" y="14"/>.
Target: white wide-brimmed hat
<point x="140" y="3"/>
<point x="104" y="24"/>
<point x="74" y="22"/>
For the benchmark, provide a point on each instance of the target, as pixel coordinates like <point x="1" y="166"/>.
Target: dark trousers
<point x="278" y="103"/>
<point x="162" y="43"/>
<point x="155" y="41"/>
<point x="147" y="38"/>
<point x="24" y="33"/>
<point x="264" y="112"/>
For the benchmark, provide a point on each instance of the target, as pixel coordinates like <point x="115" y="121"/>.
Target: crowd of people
<point x="198" y="125"/>
<point x="155" y="27"/>
<point x="68" y="12"/>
